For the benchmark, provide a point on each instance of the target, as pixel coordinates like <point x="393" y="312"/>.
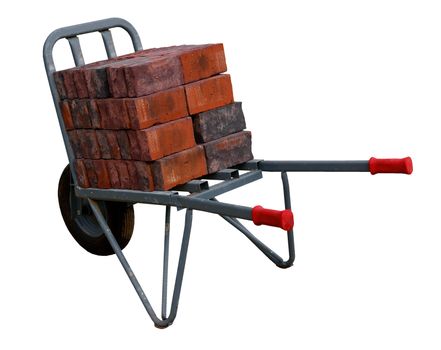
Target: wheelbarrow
<point x="102" y="220"/>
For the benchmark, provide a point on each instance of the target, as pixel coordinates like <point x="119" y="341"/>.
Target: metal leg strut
<point x="165" y="321"/>
<point x="269" y="253"/>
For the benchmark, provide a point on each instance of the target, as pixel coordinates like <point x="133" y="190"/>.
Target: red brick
<point x="75" y="143"/>
<point x="145" y="176"/>
<point x="113" y="113"/>
<point x="94" y="115"/>
<point x="164" y="139"/>
<point x="228" y="151"/>
<point x="112" y="140"/>
<point x="67" y="116"/>
<point x="103" y="144"/>
<point x="79" y="82"/>
<point x="69" y="84"/>
<point x="89" y="144"/>
<point x="79" y="110"/>
<point x="218" y="122"/>
<point x="159" y="107"/>
<point x="101" y="173"/>
<point x="91" y="174"/>
<point x="209" y="93"/>
<point x="112" y="171"/>
<point x="124" y="144"/>
<point x="202" y="61"/>
<point x="135" y="150"/>
<point x="179" y="168"/>
<point x="153" y="75"/>
<point x="59" y="84"/>
<point x="81" y="172"/>
<point x="123" y="174"/>
<point x="96" y="82"/>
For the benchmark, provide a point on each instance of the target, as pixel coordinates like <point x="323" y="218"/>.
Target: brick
<point x="179" y="168"/>
<point x="228" y="151"/>
<point x="164" y="139"/>
<point x="94" y="115"/>
<point x="209" y="93"/>
<point x="102" y="173"/>
<point x="135" y="150"/>
<point x="113" y="113"/>
<point x="91" y="174"/>
<point x="112" y="171"/>
<point x="96" y="82"/>
<point x="81" y="173"/>
<point x="145" y="176"/>
<point x="103" y="144"/>
<point x="123" y="174"/>
<point x="80" y="114"/>
<point x="89" y="144"/>
<point x="218" y="122"/>
<point x="75" y="143"/>
<point x="159" y="107"/>
<point x="69" y="84"/>
<point x="112" y="141"/>
<point x="202" y="61"/>
<point x="59" y="84"/>
<point x="67" y="116"/>
<point x="79" y="82"/>
<point x="124" y="144"/>
<point x="152" y="75"/>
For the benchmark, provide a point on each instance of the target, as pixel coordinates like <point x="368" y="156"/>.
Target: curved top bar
<point x="85" y="28"/>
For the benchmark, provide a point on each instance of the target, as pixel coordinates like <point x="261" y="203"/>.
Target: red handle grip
<point x="395" y="165"/>
<point x="278" y="218"/>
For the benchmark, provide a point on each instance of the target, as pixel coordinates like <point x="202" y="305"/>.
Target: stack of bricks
<point x="153" y="119"/>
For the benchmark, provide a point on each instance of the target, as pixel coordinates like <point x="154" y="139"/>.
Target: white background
<point x="318" y="80"/>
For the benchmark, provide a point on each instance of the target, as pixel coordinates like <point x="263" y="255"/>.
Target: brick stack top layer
<point x="141" y="73"/>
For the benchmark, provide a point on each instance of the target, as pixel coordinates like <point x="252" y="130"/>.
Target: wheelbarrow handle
<point x="283" y="219"/>
<point x="391" y="165"/>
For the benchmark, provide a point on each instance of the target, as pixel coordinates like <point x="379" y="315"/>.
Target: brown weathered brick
<point x="79" y="82"/>
<point x="103" y="144"/>
<point x="75" y="143"/>
<point x="152" y="75"/>
<point x="218" y="122"/>
<point x="80" y="114"/>
<point x="102" y="173"/>
<point x="202" y="61"/>
<point x="94" y="115"/>
<point x="112" y="171"/>
<point x="113" y="113"/>
<point x="124" y="144"/>
<point x="159" y="107"/>
<point x="164" y="139"/>
<point x="145" y="176"/>
<point x="228" y="151"/>
<point x="96" y="82"/>
<point x="209" y="93"/>
<point x="112" y="140"/>
<point x="91" y="174"/>
<point x="123" y="174"/>
<point x="179" y="168"/>
<point x="135" y="150"/>
<point x="67" y="116"/>
<point x="89" y="144"/>
<point x="69" y="84"/>
<point x="81" y="173"/>
<point x="59" y="84"/>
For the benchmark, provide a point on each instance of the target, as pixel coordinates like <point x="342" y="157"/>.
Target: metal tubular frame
<point x="202" y="197"/>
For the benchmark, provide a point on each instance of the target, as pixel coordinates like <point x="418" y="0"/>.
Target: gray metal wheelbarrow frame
<point x="198" y="194"/>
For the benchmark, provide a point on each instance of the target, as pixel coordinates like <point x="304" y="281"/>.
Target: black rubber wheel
<point x="82" y="224"/>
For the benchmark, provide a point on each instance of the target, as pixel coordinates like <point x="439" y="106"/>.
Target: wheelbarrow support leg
<point x="166" y="321"/>
<point x="269" y="253"/>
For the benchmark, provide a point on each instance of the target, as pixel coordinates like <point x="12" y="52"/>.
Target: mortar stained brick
<point x="218" y="122"/>
<point x="89" y="144"/>
<point x="79" y="110"/>
<point x="75" y="143"/>
<point x="81" y="172"/>
<point x="112" y="171"/>
<point x="124" y="144"/>
<point x="228" y="151"/>
<point x="113" y="113"/>
<point x="112" y="140"/>
<point x="91" y="174"/>
<point x="145" y="176"/>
